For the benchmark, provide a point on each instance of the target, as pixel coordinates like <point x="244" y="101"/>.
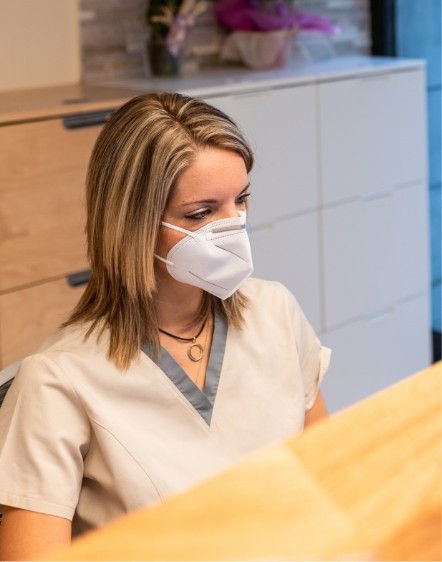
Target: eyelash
<point x="242" y="198"/>
<point x="200" y="215"/>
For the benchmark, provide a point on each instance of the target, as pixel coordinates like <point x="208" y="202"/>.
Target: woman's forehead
<point x="214" y="173"/>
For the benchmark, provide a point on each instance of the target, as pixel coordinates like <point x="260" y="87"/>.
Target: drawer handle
<point x="377" y="199"/>
<point x="380" y="317"/>
<point x="79" y="278"/>
<point x="87" y="119"/>
<point x="374" y="78"/>
<point x="252" y="94"/>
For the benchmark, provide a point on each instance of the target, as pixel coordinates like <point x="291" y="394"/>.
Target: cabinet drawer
<point x="372" y="134"/>
<point x="28" y="316"/>
<point x="280" y="125"/>
<point x="42" y="176"/>
<point x="375" y="253"/>
<point x="288" y="251"/>
<point x="377" y="351"/>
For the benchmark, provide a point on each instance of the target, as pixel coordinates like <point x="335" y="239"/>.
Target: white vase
<point x="259" y="49"/>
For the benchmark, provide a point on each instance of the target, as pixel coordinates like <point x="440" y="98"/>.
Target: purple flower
<point x="256" y="15"/>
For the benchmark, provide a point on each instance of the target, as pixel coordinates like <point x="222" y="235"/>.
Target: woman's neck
<point x="177" y="305"/>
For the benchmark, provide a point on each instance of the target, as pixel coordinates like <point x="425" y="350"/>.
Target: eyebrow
<point x="211" y="201"/>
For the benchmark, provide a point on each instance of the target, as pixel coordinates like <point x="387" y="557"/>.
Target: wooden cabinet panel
<point x="42" y="177"/>
<point x="281" y="127"/>
<point x="29" y="316"/>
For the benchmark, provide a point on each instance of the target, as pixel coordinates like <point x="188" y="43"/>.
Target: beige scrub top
<point x="83" y="440"/>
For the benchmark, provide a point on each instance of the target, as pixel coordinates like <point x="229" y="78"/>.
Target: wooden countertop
<point x="59" y="101"/>
<point x="363" y="485"/>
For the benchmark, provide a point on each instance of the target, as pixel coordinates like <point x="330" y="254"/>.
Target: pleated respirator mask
<point x="216" y="258"/>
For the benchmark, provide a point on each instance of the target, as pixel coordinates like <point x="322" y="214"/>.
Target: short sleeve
<point x="44" y="435"/>
<point x="314" y="358"/>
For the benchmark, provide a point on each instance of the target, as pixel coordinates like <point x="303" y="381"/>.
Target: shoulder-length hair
<point x="136" y="161"/>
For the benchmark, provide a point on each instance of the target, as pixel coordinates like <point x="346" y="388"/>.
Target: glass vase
<point x="161" y="61"/>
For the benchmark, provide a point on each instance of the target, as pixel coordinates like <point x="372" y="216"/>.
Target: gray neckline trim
<point x="203" y="401"/>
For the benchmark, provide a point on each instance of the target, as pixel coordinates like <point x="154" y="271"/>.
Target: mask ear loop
<point x="178" y="229"/>
<point x="167" y="262"/>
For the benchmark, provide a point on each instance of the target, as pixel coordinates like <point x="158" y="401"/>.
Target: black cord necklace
<point x="193" y="345"/>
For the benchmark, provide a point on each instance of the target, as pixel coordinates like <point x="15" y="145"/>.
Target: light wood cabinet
<point x="43" y="167"/>
<point x="30" y="315"/>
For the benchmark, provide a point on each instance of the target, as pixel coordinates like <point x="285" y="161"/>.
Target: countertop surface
<point x="59" y="101"/>
<point x="364" y="484"/>
<point x="237" y="79"/>
<point x="52" y="102"/>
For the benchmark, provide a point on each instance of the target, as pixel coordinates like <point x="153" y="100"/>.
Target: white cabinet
<point x="374" y="253"/>
<point x="358" y="254"/>
<point x="374" y="212"/>
<point x="280" y="124"/>
<point x="374" y="352"/>
<point x="339" y="212"/>
<point x="372" y="134"/>
<point x="289" y="250"/>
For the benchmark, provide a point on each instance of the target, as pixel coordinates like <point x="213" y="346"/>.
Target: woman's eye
<point x="199" y="215"/>
<point x="242" y="199"/>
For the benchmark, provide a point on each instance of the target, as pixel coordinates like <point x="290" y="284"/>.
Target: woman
<point x="174" y="364"/>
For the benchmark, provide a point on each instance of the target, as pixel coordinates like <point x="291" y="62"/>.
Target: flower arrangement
<point x="268" y="15"/>
<point x="169" y="20"/>
<point x="263" y="30"/>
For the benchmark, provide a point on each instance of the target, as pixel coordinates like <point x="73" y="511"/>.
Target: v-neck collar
<point x="203" y="401"/>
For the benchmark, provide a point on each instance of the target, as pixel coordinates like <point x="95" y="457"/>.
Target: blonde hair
<point x="134" y="166"/>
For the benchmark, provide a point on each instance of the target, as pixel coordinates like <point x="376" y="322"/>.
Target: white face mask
<point x="216" y="258"/>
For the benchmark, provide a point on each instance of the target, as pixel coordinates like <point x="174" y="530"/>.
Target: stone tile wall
<point x="113" y="34"/>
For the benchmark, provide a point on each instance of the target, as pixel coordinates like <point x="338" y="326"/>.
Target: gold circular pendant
<point x="191" y="355"/>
